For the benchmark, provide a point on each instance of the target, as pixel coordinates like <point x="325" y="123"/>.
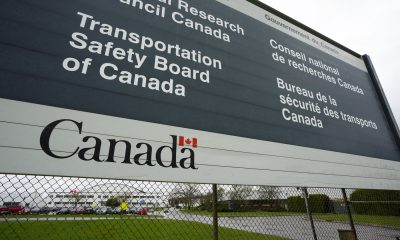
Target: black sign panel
<point x="193" y="64"/>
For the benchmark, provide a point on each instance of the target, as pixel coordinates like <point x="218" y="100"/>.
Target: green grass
<point x="388" y="221"/>
<point x="244" y="214"/>
<point x="121" y="229"/>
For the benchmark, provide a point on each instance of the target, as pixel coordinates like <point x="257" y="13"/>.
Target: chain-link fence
<point x="42" y="207"/>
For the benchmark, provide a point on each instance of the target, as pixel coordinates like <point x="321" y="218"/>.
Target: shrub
<point x="113" y="202"/>
<point x="376" y="202"/>
<point x="296" y="204"/>
<point x="318" y="203"/>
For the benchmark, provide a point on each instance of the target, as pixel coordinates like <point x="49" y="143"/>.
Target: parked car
<point x="14" y="209"/>
<point x="34" y="210"/>
<point x="142" y="211"/>
<point x="103" y="210"/>
<point x="89" y="210"/>
<point x="64" y="211"/>
<point x="43" y="210"/>
<point x="116" y="210"/>
<point x="47" y="210"/>
<point x="78" y="210"/>
<point x="132" y="210"/>
<point x="52" y="210"/>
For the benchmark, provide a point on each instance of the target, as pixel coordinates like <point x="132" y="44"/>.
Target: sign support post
<point x="346" y="203"/>
<point x="215" y="211"/>
<point x="309" y="213"/>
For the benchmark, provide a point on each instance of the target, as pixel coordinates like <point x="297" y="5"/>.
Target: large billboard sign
<point x="210" y="91"/>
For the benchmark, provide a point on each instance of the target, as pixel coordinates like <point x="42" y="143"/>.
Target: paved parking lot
<point x="293" y="227"/>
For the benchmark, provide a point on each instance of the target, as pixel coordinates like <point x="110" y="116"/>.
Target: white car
<point x="103" y="210"/>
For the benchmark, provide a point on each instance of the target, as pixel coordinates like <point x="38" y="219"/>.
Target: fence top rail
<point x="374" y="201"/>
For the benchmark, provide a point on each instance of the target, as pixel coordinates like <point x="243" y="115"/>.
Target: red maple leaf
<point x="188" y="142"/>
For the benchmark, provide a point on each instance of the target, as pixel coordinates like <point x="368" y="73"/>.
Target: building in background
<point x="98" y="195"/>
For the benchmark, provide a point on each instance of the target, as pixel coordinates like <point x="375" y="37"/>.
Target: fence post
<point x="309" y="213"/>
<point x="347" y="205"/>
<point x="215" y="211"/>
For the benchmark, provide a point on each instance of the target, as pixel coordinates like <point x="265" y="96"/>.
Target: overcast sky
<point x="365" y="26"/>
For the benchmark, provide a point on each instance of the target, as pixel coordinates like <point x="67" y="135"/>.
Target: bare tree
<point x="268" y="192"/>
<point x="76" y="196"/>
<point x="124" y="196"/>
<point x="207" y="198"/>
<point x="270" y="195"/>
<point x="186" y="194"/>
<point x="240" y="193"/>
